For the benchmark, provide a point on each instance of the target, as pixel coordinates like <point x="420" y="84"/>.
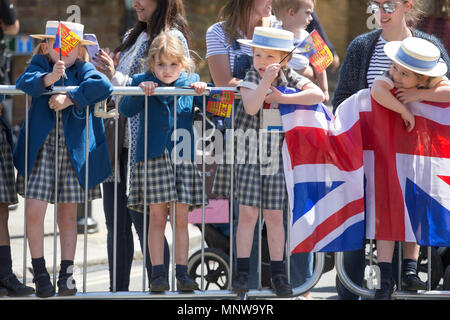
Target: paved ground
<point x="97" y="255"/>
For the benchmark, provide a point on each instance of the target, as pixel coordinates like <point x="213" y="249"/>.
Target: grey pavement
<point x="97" y="259"/>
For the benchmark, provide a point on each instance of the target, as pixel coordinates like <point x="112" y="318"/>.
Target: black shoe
<point x="14" y="287"/>
<point x="186" y="283"/>
<point x="412" y="282"/>
<point x="385" y="291"/>
<point x="240" y="282"/>
<point x="66" y="287"/>
<point x="44" y="287"/>
<point x="159" y="283"/>
<point x="281" y="285"/>
<point x="3" y="292"/>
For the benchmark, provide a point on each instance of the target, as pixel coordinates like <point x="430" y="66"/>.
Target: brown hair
<point x="415" y="14"/>
<point x="236" y="16"/>
<point x="167" y="45"/>
<point x="169" y="14"/>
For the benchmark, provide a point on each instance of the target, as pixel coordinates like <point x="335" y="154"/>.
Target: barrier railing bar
<point x="25" y="239"/>
<point x="116" y="160"/>
<point x="145" y="231"/>
<point x="55" y="206"/>
<point x="202" y="281"/>
<point x="174" y="204"/>
<point x="86" y="198"/>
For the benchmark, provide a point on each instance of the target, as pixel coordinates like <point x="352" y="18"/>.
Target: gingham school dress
<point x="266" y="190"/>
<point x="7" y="184"/>
<point x="161" y="184"/>
<point x="41" y="181"/>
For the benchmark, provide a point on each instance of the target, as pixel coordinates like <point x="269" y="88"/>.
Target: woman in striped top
<point x="364" y="61"/>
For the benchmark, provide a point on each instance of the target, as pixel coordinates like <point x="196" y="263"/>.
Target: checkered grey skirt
<point x="161" y="185"/>
<point x="7" y="184"/>
<point x="41" y="180"/>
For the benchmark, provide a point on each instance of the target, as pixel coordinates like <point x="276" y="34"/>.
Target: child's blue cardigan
<point x="160" y="118"/>
<point x="92" y="87"/>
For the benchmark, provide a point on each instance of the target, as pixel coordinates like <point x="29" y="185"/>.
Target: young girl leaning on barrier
<point x="168" y="66"/>
<point x="417" y="74"/>
<point x="44" y="71"/>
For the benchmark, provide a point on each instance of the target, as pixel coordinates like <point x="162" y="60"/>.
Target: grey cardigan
<point x="352" y="75"/>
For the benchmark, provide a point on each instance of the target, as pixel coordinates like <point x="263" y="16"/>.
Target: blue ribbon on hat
<point x="51" y="31"/>
<point x="403" y="56"/>
<point x="272" y="42"/>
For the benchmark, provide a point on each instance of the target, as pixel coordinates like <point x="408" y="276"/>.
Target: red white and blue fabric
<point x="323" y="165"/>
<point x="408" y="174"/>
<point x="333" y="163"/>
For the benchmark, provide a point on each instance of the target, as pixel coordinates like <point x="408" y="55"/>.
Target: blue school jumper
<point x="93" y="87"/>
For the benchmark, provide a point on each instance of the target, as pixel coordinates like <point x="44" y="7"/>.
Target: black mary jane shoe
<point x="281" y="285"/>
<point x="412" y="282"/>
<point x="385" y="291"/>
<point x="186" y="283"/>
<point x="44" y="288"/>
<point x="159" y="283"/>
<point x="14" y="287"/>
<point x="66" y="287"/>
<point x="240" y="282"/>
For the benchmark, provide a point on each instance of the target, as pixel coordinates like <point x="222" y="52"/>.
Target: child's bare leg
<point x="35" y="215"/>
<point x="385" y="250"/>
<point x="67" y="224"/>
<point x="411" y="250"/>
<point x="275" y="233"/>
<point x="245" y="229"/>
<point x="157" y="227"/>
<point x="181" y="231"/>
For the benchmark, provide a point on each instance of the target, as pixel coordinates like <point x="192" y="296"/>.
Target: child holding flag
<point x="46" y="70"/>
<point x="295" y="16"/>
<point x="256" y="185"/>
<point x="168" y="66"/>
<point x="417" y="74"/>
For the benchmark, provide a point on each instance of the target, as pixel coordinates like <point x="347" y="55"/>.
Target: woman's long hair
<point x="169" y="14"/>
<point x="236" y="16"/>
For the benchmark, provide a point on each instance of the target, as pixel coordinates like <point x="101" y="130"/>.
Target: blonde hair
<point x="38" y="50"/>
<point x="168" y="45"/>
<point x="282" y="6"/>
<point x="416" y="12"/>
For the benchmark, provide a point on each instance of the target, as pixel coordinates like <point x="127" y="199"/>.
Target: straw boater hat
<point x="417" y="55"/>
<point x="51" y="29"/>
<point x="271" y="38"/>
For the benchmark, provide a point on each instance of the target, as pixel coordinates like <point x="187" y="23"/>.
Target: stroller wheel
<point x="446" y="285"/>
<point x="216" y="268"/>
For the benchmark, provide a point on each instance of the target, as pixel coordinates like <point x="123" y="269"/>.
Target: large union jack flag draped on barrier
<point x="328" y="161"/>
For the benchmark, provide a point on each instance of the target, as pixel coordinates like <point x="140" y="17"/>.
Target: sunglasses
<point x="388" y="7"/>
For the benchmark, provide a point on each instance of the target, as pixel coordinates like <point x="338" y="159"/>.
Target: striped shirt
<point x="217" y="43"/>
<point x="379" y="62"/>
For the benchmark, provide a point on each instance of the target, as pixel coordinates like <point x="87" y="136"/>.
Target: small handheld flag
<point x="220" y="102"/>
<point x="66" y="40"/>
<point x="317" y="51"/>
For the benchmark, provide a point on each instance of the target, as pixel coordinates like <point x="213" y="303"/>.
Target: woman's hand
<point x="59" y="102"/>
<point x="148" y="87"/>
<point x="199" y="87"/>
<point x="106" y="63"/>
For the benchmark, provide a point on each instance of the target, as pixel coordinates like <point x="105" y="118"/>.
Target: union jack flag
<point x="323" y="165"/>
<point x="364" y="160"/>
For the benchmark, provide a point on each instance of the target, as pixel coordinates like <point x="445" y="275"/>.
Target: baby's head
<point x="295" y="14"/>
<point x="167" y="58"/>
<point x="416" y="63"/>
<point x="48" y="40"/>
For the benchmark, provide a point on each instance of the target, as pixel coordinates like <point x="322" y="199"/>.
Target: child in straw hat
<point x="46" y="70"/>
<point x="260" y="183"/>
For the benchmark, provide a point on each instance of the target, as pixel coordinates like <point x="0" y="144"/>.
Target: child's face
<point x="404" y="78"/>
<point x="69" y="60"/>
<point x="304" y="15"/>
<point x="264" y="57"/>
<point x="167" y="69"/>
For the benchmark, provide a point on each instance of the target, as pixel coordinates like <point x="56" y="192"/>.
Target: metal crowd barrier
<point x="144" y="294"/>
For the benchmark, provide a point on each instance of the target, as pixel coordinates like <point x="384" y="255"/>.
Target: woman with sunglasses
<point x="364" y="61"/>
